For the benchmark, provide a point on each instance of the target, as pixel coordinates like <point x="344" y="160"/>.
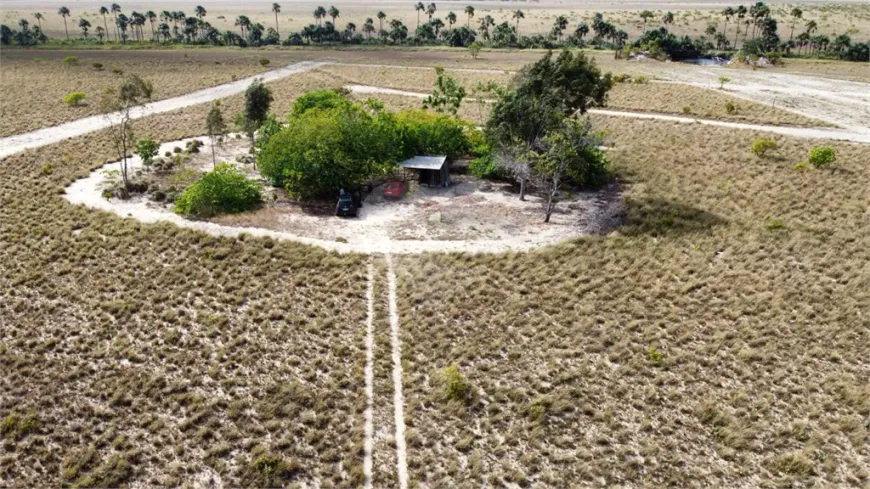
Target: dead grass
<point x="693" y="347"/>
<point x="671" y="98"/>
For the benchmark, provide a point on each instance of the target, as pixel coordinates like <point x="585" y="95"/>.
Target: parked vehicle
<point x="395" y="188"/>
<point x="346" y="206"/>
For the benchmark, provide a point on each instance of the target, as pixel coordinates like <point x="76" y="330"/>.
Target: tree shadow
<point x="659" y="217"/>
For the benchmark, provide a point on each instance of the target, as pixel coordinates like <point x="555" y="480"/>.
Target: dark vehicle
<point x="346" y="206"/>
<point x="395" y="188"/>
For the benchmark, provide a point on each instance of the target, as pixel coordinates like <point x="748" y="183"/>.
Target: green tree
<point x="474" y="49"/>
<point x="822" y="156"/>
<point x="517" y="15"/>
<point x="216" y="127"/>
<point x="646" y="15"/>
<point x="64" y="12"/>
<point x="334" y="13"/>
<point x="117" y="107"/>
<point x="419" y="7"/>
<point x="469" y="11"/>
<point x="447" y="95"/>
<point x="258" y="99"/>
<point x="276" y="9"/>
<point x="146" y="149"/>
<point x="223" y="190"/>
<point x="84" y="25"/>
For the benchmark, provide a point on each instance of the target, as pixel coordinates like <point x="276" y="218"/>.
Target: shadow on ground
<point x="659" y="217"/>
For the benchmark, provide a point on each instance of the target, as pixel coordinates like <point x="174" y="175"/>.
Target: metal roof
<point x="424" y="162"/>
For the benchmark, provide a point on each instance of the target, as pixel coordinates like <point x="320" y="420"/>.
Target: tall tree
<point x="469" y="11"/>
<point x="369" y="27"/>
<point x="728" y="12"/>
<point x="258" y="99"/>
<point x="796" y="14"/>
<point x="451" y="19"/>
<point x="381" y="17"/>
<point x="216" y="127"/>
<point x="559" y="25"/>
<point x="517" y="15"/>
<point x="668" y="18"/>
<point x="741" y="13"/>
<point x="334" y="13"/>
<point x="38" y="16"/>
<point x="84" y="25"/>
<point x="276" y="9"/>
<point x="152" y="18"/>
<point x="101" y="32"/>
<point x="116" y="9"/>
<point x="430" y="10"/>
<point x="419" y="8"/>
<point x="646" y="15"/>
<point x="117" y="107"/>
<point x="64" y="12"/>
<point x="319" y="14"/>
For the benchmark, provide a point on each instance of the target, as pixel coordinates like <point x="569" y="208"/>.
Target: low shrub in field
<point x="761" y="146"/>
<point x="147" y="150"/>
<point x="70" y="60"/>
<point x="97" y="66"/>
<point x="483" y="167"/>
<point x="730" y="107"/>
<point x="264" y="61"/>
<point x="822" y="156"/>
<point x="456" y="388"/>
<point x="223" y="190"/>
<point x="74" y="98"/>
<point x="621" y="78"/>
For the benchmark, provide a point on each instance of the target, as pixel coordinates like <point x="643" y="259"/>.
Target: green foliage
<point x="772" y="224"/>
<point x="425" y="133"/>
<point x="687" y="109"/>
<point x="17" y="426"/>
<point x="147" y="149"/>
<point x="97" y="66"/>
<point x="270" y="127"/>
<point x="258" y="99"/>
<point x="822" y="156"/>
<point x="655" y="355"/>
<point x="447" y="95"/>
<point x="70" y="60"/>
<point x="621" y="78"/>
<point x="456" y="387"/>
<point x="223" y="190"/>
<point x="322" y="150"/>
<point x="320" y="99"/>
<point x="214" y="121"/>
<point x="761" y="146"/>
<point x="264" y="62"/>
<point x="730" y="107"/>
<point x="484" y="166"/>
<point x="722" y="81"/>
<point x="74" y="98"/>
<point x="474" y="49"/>
<point x="641" y="80"/>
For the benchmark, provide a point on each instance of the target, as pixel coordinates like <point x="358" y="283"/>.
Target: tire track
<point x="398" y="396"/>
<point x="368" y="416"/>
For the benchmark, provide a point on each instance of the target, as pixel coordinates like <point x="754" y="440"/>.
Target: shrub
<point x="147" y="149"/>
<point x="822" y="156"/>
<point x="762" y="145"/>
<point x="774" y="224"/>
<point x="70" y="60"/>
<point x="722" y="81"/>
<point x="320" y="99"/>
<point x="730" y="107"/>
<point x="687" y="109"/>
<point x="74" y="98"/>
<point x="97" y="66"/>
<point x="641" y="80"/>
<point x="424" y="133"/>
<point x="621" y="78"/>
<point x="264" y="62"/>
<point x="655" y="355"/>
<point x="223" y="190"/>
<point x="455" y="386"/>
<point x="483" y="167"/>
<point x="474" y="49"/>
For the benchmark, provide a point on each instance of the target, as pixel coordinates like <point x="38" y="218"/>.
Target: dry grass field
<point x="718" y="339"/>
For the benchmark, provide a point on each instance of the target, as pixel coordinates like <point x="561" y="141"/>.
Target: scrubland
<point x="717" y="339"/>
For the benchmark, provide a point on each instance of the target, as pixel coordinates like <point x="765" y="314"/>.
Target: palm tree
<point x="517" y="15"/>
<point x="152" y="17"/>
<point x="430" y="9"/>
<point x="104" y="11"/>
<point x="100" y="33"/>
<point x="668" y="18"/>
<point x="469" y="10"/>
<point x="728" y="13"/>
<point x="559" y="25"/>
<point x="64" y="12"/>
<point x="419" y="8"/>
<point x="84" y="25"/>
<point x="437" y="24"/>
<point x="796" y="14"/>
<point x="243" y="22"/>
<point x="451" y="19"/>
<point x="741" y="13"/>
<point x="38" y="16"/>
<point x="116" y="9"/>
<point x="276" y="9"/>
<point x="485" y="24"/>
<point x="381" y="17"/>
<point x="334" y="13"/>
<point x="369" y="27"/>
<point x="319" y="13"/>
<point x="350" y="30"/>
<point x="646" y="15"/>
<point x="582" y="30"/>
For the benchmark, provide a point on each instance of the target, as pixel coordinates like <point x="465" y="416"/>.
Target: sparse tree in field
<point x="822" y="156"/>
<point x="646" y="15"/>
<point x="430" y="10"/>
<point x="216" y="127"/>
<point x="200" y="12"/>
<point x="710" y="30"/>
<point x="668" y="18"/>
<point x="258" y="99"/>
<point x="722" y="81"/>
<point x="728" y="12"/>
<point x="38" y="16"/>
<point x="64" y="12"/>
<point x="369" y="27"/>
<point x="334" y="13"/>
<point x="451" y="19"/>
<point x="447" y="95"/>
<point x="116" y="9"/>
<point x="243" y="23"/>
<point x="123" y="22"/>
<point x="101" y="32"/>
<point x="381" y="17"/>
<point x="117" y="107"/>
<point x="485" y="24"/>
<point x="517" y="15"/>
<point x="796" y="14"/>
<point x="474" y="49"/>
<point x="469" y="11"/>
<point x="104" y="12"/>
<point x="581" y="30"/>
<point x="276" y="9"/>
<point x="419" y="7"/>
<point x="84" y="25"/>
<point x="559" y="26"/>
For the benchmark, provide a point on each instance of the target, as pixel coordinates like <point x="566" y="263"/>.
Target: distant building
<point x="434" y="170"/>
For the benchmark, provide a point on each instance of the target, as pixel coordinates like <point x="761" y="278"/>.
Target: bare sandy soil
<point x="471" y="215"/>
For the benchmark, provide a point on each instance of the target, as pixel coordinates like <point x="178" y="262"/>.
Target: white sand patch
<point x="398" y="396"/>
<point x="368" y="416"/>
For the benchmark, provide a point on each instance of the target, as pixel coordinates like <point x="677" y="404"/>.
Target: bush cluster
<point x="222" y="190"/>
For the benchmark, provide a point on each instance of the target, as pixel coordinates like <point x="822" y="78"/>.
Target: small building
<point x="434" y="170"/>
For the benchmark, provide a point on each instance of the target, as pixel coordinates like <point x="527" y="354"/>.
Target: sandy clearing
<point x="50" y="135"/>
<point x="398" y="396"/>
<point x="801" y="132"/>
<point x="368" y="416"/>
